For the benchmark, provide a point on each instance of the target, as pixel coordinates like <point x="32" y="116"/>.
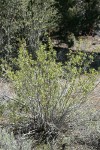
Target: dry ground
<point x="84" y="128"/>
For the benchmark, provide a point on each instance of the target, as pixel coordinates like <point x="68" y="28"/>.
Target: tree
<point x="91" y="16"/>
<point x="22" y="19"/>
<point x="78" y="16"/>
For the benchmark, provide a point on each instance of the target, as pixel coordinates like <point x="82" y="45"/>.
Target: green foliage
<point x="31" y="19"/>
<point x="27" y="19"/>
<point x="41" y="88"/>
<point x="45" y="90"/>
<point x="78" y="16"/>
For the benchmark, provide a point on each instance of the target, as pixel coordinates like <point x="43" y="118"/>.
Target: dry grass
<point x="6" y="89"/>
<point x="84" y="125"/>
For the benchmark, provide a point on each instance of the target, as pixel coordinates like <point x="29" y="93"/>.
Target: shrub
<point x="46" y="90"/>
<point x="8" y="142"/>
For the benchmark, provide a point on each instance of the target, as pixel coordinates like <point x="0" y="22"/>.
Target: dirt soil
<point x="88" y="43"/>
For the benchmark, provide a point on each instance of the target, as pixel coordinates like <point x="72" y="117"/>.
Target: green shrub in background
<point x="78" y="16"/>
<point x="28" y="19"/>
